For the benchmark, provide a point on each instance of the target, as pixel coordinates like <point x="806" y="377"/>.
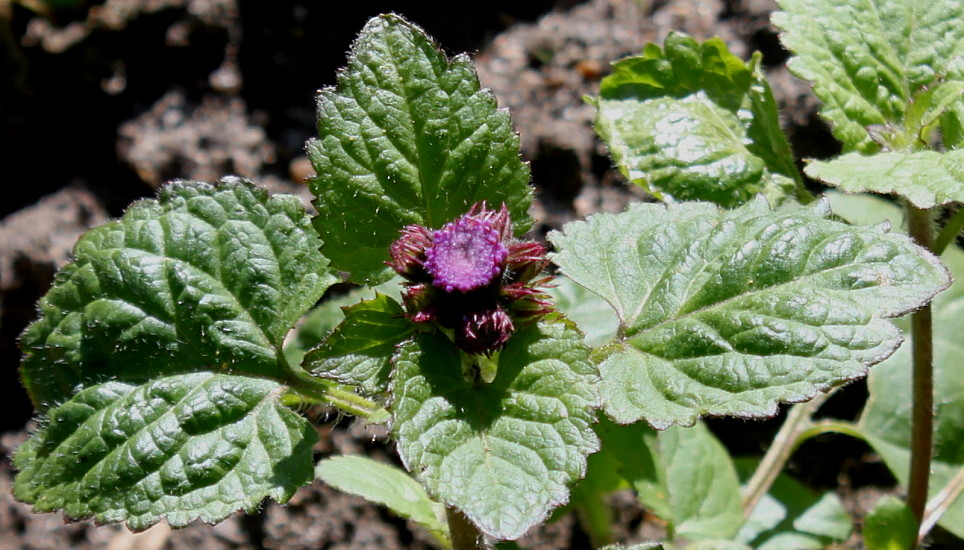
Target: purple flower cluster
<point x="471" y="276"/>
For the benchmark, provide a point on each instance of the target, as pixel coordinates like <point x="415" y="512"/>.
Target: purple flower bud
<point x="526" y="260"/>
<point x="498" y="218"/>
<point x="465" y="255"/>
<point x="408" y="252"/>
<point x="484" y="331"/>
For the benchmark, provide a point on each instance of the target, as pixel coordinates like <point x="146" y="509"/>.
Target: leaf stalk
<point x="465" y="535"/>
<point x="784" y="444"/>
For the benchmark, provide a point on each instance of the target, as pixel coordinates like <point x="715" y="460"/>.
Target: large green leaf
<point x="868" y="58"/>
<point x="731" y="312"/>
<point x="182" y="448"/>
<point x="202" y="278"/>
<point x="890" y="526"/>
<point x="360" y="350"/>
<point x="886" y="420"/>
<point x="695" y="122"/>
<point x="925" y="178"/>
<point x="684" y="475"/>
<point x="407" y="136"/>
<point x="503" y="453"/>
<point x="386" y="485"/>
<point x="591" y="313"/>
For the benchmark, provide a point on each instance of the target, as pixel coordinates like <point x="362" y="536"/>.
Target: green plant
<point x="160" y="367"/>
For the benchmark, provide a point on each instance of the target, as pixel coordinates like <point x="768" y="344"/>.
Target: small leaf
<point x="180" y="448"/>
<point x="388" y="486"/>
<point x="695" y="122"/>
<point x="731" y="312"/>
<point x="503" y="453"/>
<point x="359" y="351"/>
<point x="886" y="420"/>
<point x="868" y="58"/>
<point x="890" y="526"/>
<point x="406" y="137"/>
<point x="925" y="178"/>
<point x="684" y="475"/>
<point x="202" y="278"/>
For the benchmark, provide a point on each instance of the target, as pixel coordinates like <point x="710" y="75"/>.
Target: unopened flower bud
<point x="526" y="260"/>
<point x="484" y="331"/>
<point x="408" y="253"/>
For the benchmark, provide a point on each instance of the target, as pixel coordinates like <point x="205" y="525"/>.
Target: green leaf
<point x="695" y="122"/>
<point x="315" y="326"/>
<point x="867" y="59"/>
<point x="202" y="278"/>
<point x="503" y="453"/>
<point x="407" y="136"/>
<point x="388" y="486"/>
<point x="731" y="312"/>
<point x="589" y="312"/>
<point x="359" y="351"/>
<point x="792" y="516"/>
<point x="925" y="178"/>
<point x="684" y="475"/>
<point x="180" y="448"/>
<point x="890" y="526"/>
<point x="886" y="420"/>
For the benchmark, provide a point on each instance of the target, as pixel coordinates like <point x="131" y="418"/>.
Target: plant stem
<point x="922" y="434"/>
<point x="349" y="402"/>
<point x="776" y="457"/>
<point x="465" y="535"/>
<point x="940" y="503"/>
<point x="950" y="232"/>
<point x="828" y="426"/>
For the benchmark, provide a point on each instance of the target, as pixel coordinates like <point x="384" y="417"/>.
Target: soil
<point x="103" y="101"/>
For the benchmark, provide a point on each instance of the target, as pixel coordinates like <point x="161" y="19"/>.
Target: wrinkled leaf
<point x="202" y="278"/>
<point x="731" y="312"/>
<point x="695" y="122"/>
<point x="181" y="448"/>
<point x="890" y="526"/>
<point x="359" y="351"/>
<point x="503" y="453"/>
<point x="684" y="475"/>
<point x="388" y="486"/>
<point x="407" y="136"/>
<point x="868" y="58"/>
<point x="925" y="178"/>
<point x="886" y="420"/>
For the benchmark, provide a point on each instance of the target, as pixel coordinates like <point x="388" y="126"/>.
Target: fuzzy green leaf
<point x="886" y="420"/>
<point x="591" y="313"/>
<point x="925" y="178"/>
<point x="407" y="136"/>
<point x="359" y="351"/>
<point x="182" y="448"/>
<point x="503" y="453"/>
<point x="202" y="278"/>
<point x="695" y="122"/>
<point x="684" y="475"/>
<point x="388" y="486"/>
<point x="731" y="312"/>
<point x="867" y="59"/>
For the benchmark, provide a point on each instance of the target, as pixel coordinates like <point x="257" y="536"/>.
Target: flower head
<point x="472" y="277"/>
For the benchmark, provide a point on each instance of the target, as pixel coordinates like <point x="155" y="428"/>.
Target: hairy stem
<point x="465" y="535"/>
<point x="776" y="457"/>
<point x="922" y="435"/>
<point x="349" y="402"/>
<point x="950" y="232"/>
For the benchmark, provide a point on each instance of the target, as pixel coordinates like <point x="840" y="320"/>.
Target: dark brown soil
<point x="103" y="102"/>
